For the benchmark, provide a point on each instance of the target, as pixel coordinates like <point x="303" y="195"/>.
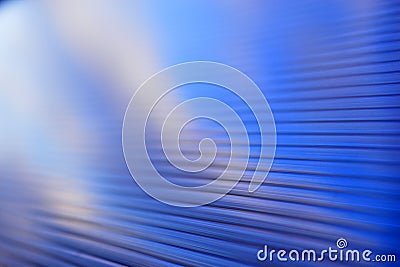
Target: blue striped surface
<point x="329" y="70"/>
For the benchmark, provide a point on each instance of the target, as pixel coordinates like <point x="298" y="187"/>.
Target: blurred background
<point x="68" y="69"/>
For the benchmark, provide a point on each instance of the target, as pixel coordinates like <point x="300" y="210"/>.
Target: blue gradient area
<point x="329" y="70"/>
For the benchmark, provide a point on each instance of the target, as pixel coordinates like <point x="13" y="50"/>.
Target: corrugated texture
<point x="329" y="70"/>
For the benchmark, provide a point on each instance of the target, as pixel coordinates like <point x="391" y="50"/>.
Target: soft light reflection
<point x="69" y="68"/>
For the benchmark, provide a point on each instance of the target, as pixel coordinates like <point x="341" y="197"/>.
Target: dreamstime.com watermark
<point x="151" y="105"/>
<point x="338" y="253"/>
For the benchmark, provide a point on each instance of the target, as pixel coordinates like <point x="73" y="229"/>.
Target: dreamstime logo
<point x="331" y="254"/>
<point x="150" y="96"/>
<point x="341" y="243"/>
